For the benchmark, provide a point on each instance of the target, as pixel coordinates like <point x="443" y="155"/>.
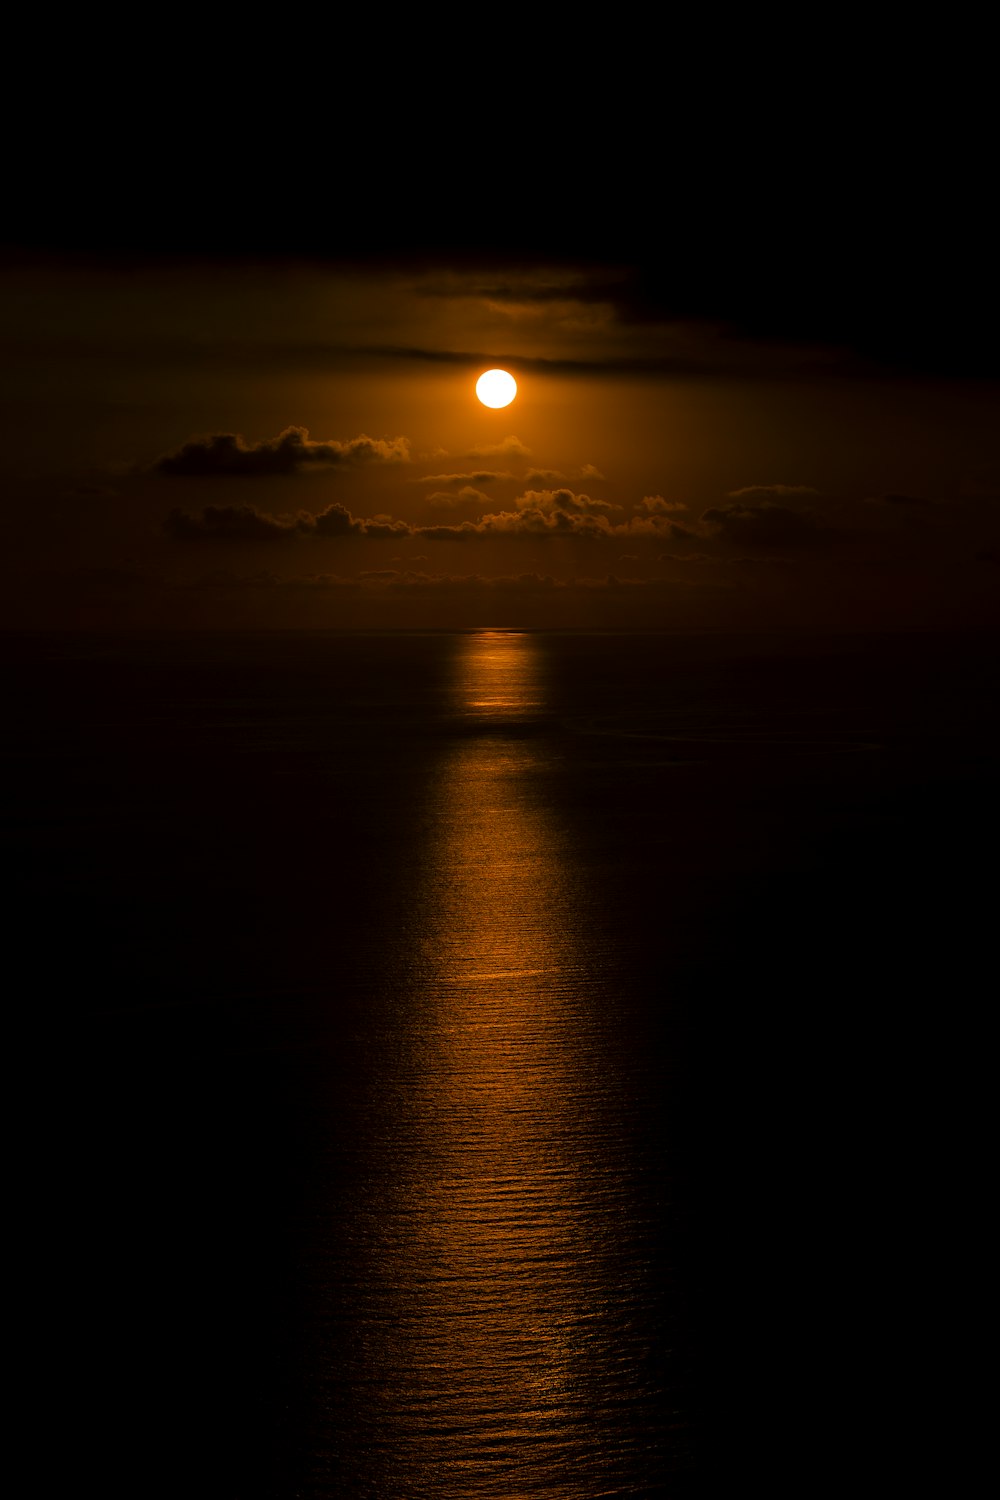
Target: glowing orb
<point x="496" y="388"/>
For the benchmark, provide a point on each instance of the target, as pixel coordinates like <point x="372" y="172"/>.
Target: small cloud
<point x="477" y="476"/>
<point x="653" y="526"/>
<point x="511" y="446"/>
<point x="448" y="499"/>
<point x="336" y="520"/>
<point x="591" y="471"/>
<point x="543" y="476"/>
<point x="655" y="505"/>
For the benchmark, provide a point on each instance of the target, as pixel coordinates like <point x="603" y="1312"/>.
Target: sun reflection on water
<point x="497" y="1342"/>
<point x="498" y="676"/>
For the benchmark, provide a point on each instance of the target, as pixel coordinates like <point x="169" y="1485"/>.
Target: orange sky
<point x="656" y="471"/>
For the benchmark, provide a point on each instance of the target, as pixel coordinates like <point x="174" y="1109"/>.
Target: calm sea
<point x="492" y="1064"/>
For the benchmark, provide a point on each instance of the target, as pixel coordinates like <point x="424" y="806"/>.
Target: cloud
<point x="548" y="283"/>
<point x="654" y="526"/>
<point x="245" y="523"/>
<point x="460" y="531"/>
<point x="543" y="476"/>
<point x="538" y="513"/>
<point x="765" y="490"/>
<point x="448" y="499"/>
<point x="591" y="471"/>
<point x="533" y="521"/>
<point x="477" y="476"/>
<point x="229" y="523"/>
<point x="228" y="455"/>
<point x="656" y="505"/>
<point x="562" y="500"/>
<point x="384" y="528"/>
<point x="336" y="520"/>
<point x="511" y="446"/>
<point x="766" y="525"/>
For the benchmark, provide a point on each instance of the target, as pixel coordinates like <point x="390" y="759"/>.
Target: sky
<point x="753" y="325"/>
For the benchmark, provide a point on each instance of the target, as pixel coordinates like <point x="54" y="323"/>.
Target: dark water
<point x="498" y="1064"/>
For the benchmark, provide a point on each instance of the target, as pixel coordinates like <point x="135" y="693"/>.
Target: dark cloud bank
<point x="227" y="455"/>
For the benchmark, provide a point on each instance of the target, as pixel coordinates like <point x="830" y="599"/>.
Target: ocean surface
<point x="494" y="1064"/>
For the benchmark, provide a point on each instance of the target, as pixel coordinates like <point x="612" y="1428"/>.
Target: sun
<point x="496" y="388"/>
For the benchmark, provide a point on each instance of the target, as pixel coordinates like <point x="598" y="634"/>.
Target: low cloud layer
<point x="245" y="523"/>
<point x="895" y="529"/>
<point x="227" y="455"/>
<point x="538" y="513"/>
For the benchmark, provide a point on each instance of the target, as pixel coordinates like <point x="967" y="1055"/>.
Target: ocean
<point x="492" y="1064"/>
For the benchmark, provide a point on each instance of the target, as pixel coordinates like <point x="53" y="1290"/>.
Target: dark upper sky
<point x="827" y="183"/>
<point x="884" y="245"/>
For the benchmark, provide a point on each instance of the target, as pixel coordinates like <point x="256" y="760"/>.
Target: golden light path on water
<point x="504" y="1314"/>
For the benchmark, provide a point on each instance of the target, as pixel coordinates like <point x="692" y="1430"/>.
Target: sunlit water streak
<point x="498" y="1302"/>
